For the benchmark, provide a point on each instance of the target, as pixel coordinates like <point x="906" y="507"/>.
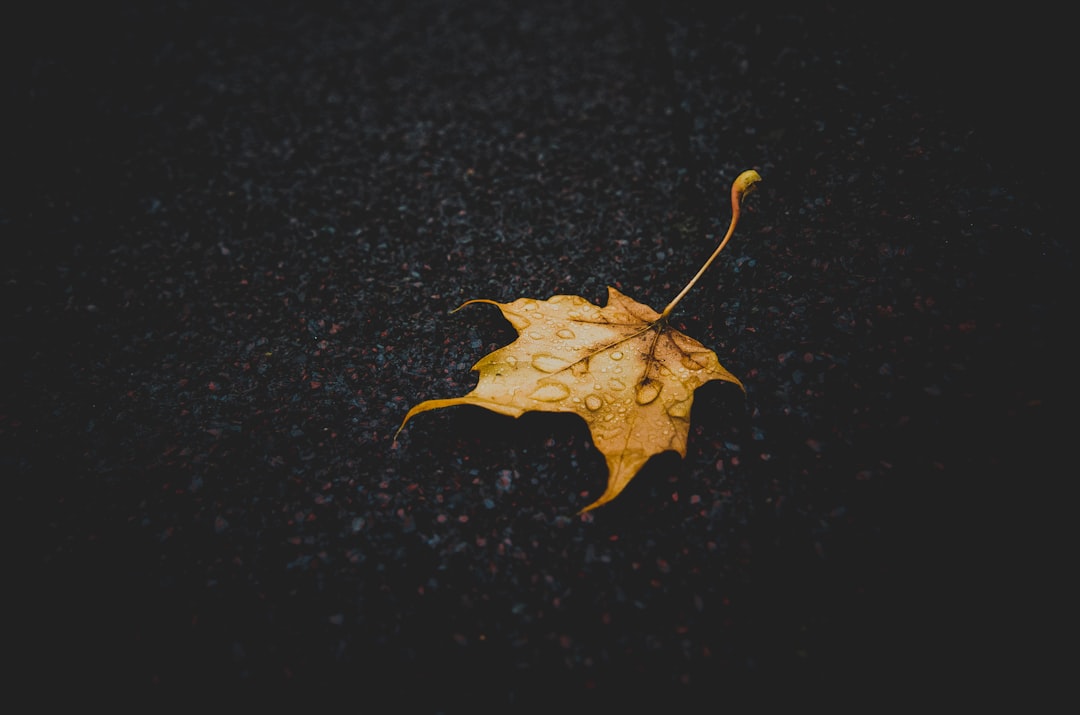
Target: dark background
<point x="232" y="235"/>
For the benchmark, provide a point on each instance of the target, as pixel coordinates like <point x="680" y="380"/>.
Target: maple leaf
<point x="621" y="367"/>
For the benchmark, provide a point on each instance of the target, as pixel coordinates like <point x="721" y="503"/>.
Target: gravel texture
<point x="233" y="233"/>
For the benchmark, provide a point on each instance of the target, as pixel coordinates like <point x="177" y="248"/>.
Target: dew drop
<point x="647" y="393"/>
<point x="548" y="363"/>
<point x="551" y="392"/>
<point x="694" y="362"/>
<point x="535" y="335"/>
<point x="617" y="355"/>
<point x="566" y="333"/>
<point x="511" y="360"/>
<point x="518" y="321"/>
<point x="531" y="305"/>
<point x="679" y="409"/>
<point x="617" y="385"/>
<point x="593" y="402"/>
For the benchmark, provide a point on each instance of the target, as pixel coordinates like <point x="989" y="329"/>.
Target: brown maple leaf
<point x="621" y="367"/>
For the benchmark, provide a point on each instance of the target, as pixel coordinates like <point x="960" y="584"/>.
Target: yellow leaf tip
<point x="745" y="184"/>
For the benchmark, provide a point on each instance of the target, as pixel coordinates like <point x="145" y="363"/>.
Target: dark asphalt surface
<point x="233" y="233"/>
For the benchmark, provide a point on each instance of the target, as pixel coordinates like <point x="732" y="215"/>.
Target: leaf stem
<point x="743" y="185"/>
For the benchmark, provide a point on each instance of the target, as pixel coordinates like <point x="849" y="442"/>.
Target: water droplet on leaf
<point x="693" y="362"/>
<point x="647" y="393"/>
<point x="551" y="392"/>
<point x="679" y="409"/>
<point x="548" y="363"/>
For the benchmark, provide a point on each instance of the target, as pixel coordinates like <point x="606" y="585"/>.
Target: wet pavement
<point x="234" y="236"/>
